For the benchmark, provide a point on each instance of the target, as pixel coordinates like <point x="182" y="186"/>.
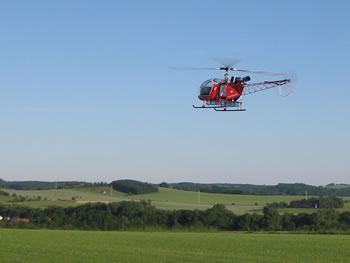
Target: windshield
<point x="209" y="82"/>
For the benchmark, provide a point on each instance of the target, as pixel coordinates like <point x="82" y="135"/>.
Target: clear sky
<point x="86" y="92"/>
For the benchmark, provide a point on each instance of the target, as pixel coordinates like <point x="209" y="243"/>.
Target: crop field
<point x="179" y="196"/>
<point x="90" y="246"/>
<point x="68" y="194"/>
<point x="177" y="199"/>
<point x="165" y="199"/>
<point x="36" y="204"/>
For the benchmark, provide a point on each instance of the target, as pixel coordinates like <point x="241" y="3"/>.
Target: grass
<point x="176" y="199"/>
<point x="39" y="204"/>
<point x="166" y="199"/>
<point x="89" y="246"/>
<point x="67" y="194"/>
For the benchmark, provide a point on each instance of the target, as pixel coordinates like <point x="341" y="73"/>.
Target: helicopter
<point x="224" y="94"/>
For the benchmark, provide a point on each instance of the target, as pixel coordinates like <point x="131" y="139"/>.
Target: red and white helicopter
<point x="223" y="94"/>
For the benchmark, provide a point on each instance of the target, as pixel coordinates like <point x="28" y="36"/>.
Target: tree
<point x="219" y="217"/>
<point x="134" y="187"/>
<point x="164" y="184"/>
<point x="326" y="219"/>
<point x="344" y="219"/>
<point x="248" y="222"/>
<point x="271" y="220"/>
<point x="287" y="222"/>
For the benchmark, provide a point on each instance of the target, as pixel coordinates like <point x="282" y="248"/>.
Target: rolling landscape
<point x="158" y="243"/>
<point x="166" y="198"/>
<point x="174" y="131"/>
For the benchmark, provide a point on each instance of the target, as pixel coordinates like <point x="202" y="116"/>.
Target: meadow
<point x="166" y="198"/>
<point x="90" y="246"/>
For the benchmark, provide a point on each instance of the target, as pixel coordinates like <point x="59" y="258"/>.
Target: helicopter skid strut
<point x="218" y="108"/>
<point x="225" y="109"/>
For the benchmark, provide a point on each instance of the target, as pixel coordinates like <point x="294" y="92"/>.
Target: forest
<point x="322" y="202"/>
<point x="134" y="187"/>
<point x="140" y="215"/>
<point x="37" y="185"/>
<point x="279" y="189"/>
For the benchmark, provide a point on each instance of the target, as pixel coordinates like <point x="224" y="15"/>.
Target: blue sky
<point x="87" y="93"/>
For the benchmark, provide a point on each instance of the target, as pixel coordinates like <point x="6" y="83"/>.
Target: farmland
<point x="165" y="199"/>
<point x="91" y="246"/>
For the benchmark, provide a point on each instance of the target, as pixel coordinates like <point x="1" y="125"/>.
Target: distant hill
<point x="36" y="185"/>
<point x="279" y="189"/>
<point x="136" y="187"/>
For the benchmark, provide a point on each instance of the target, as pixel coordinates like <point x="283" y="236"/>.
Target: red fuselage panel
<point x="214" y="91"/>
<point x="232" y="90"/>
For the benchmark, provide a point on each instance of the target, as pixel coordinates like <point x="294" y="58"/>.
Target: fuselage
<point x="220" y="90"/>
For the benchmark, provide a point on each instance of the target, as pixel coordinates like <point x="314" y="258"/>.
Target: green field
<point x="166" y="199"/>
<point x="89" y="246"/>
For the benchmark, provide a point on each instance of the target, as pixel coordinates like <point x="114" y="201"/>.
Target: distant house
<point x="17" y="219"/>
<point x="23" y="220"/>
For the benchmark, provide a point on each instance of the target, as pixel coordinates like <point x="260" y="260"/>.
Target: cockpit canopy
<point x="205" y="88"/>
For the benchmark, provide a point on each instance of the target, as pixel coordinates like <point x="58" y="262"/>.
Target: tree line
<point x="37" y="185"/>
<point x="125" y="186"/>
<point x="279" y="189"/>
<point x="134" y="187"/>
<point x="139" y="215"/>
<point x="322" y="202"/>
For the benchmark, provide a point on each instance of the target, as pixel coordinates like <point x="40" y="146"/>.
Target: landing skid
<point x="218" y="108"/>
<point x="203" y="107"/>
<point x="225" y="109"/>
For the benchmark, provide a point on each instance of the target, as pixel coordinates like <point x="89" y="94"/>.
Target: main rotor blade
<point x="227" y="62"/>
<point x="193" y="68"/>
<point x="258" y="72"/>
